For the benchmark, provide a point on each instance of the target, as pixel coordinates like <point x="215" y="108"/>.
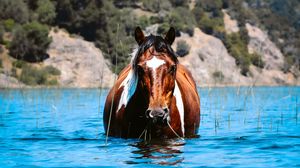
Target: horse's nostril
<point x="158" y="113"/>
<point x="148" y="115"/>
<point x="166" y="110"/>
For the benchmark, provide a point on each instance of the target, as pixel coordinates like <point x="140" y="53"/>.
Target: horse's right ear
<point x="170" y="36"/>
<point x="139" y="35"/>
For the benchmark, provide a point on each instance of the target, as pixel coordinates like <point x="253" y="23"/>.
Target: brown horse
<point x="154" y="96"/>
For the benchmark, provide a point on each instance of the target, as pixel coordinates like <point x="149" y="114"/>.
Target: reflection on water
<point x="161" y="152"/>
<point x="240" y="127"/>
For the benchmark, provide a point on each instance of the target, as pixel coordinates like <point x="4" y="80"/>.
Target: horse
<point x="154" y="96"/>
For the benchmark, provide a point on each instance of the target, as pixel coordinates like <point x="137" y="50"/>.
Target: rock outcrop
<point x="272" y="73"/>
<point x="80" y="62"/>
<point x="209" y="61"/>
<point x="260" y="43"/>
<point x="6" y="81"/>
<point x="212" y="65"/>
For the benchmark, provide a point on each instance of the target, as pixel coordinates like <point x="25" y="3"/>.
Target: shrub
<point x="45" y="11"/>
<point x="19" y="64"/>
<point x="288" y="62"/>
<point x="52" y="82"/>
<point x="52" y="70"/>
<point x="34" y="76"/>
<point x="238" y="49"/>
<point x="143" y="22"/>
<point x="256" y="60"/>
<point x="218" y="76"/>
<point x="183" y="20"/>
<point x="30" y="42"/>
<point x="236" y="43"/>
<point x="182" y="48"/>
<point x="152" y="6"/>
<point x="209" y="17"/>
<point x="155" y="19"/>
<point x="155" y="6"/>
<point x="9" y="24"/>
<point x="211" y="25"/>
<point x="14" y="9"/>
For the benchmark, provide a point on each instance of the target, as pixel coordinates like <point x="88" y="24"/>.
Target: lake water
<point x="240" y="127"/>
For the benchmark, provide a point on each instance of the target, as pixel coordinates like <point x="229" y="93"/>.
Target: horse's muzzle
<point x="158" y="115"/>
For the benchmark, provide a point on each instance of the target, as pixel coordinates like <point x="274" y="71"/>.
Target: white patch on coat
<point x="129" y="85"/>
<point x="154" y="63"/>
<point x="179" y="105"/>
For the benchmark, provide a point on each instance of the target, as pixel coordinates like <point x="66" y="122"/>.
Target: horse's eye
<point x="172" y="69"/>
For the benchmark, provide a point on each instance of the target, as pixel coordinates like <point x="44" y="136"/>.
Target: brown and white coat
<point x="154" y="95"/>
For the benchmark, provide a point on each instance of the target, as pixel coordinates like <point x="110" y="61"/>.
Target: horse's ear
<point x="139" y="35"/>
<point x="170" y="37"/>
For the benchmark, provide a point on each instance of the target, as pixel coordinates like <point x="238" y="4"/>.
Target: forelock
<point x="159" y="45"/>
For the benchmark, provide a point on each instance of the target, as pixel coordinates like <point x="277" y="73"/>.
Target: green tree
<point x="157" y="5"/>
<point x="30" y="42"/>
<point x="9" y="24"/>
<point x="183" y="20"/>
<point x="14" y="9"/>
<point x="45" y="11"/>
<point x="83" y="17"/>
<point x="177" y="3"/>
<point x="209" y="16"/>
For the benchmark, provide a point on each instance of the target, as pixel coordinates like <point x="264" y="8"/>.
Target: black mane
<point x="159" y="45"/>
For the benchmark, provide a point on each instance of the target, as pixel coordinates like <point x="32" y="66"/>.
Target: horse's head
<point x="155" y="64"/>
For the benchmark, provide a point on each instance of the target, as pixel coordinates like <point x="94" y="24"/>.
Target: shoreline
<point x="198" y="86"/>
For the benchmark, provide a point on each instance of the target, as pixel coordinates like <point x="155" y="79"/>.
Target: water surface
<point x="240" y="127"/>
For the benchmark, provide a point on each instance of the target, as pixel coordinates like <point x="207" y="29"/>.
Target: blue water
<point x="240" y="127"/>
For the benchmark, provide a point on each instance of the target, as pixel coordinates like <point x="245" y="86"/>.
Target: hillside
<point x="222" y="42"/>
<point x="81" y="64"/>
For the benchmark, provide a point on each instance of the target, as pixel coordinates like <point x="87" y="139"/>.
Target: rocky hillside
<point x="81" y="64"/>
<point x="211" y="64"/>
<point x="209" y="61"/>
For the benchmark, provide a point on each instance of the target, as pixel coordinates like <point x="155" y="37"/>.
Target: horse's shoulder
<point x="184" y="76"/>
<point x="121" y="77"/>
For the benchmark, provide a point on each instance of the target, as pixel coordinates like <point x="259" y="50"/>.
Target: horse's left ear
<point x="170" y="37"/>
<point x="139" y="35"/>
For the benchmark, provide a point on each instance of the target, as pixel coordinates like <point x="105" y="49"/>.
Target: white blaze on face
<point x="154" y="63"/>
<point x="179" y="105"/>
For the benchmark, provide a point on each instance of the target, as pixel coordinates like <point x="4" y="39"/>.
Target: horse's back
<point x="185" y="75"/>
